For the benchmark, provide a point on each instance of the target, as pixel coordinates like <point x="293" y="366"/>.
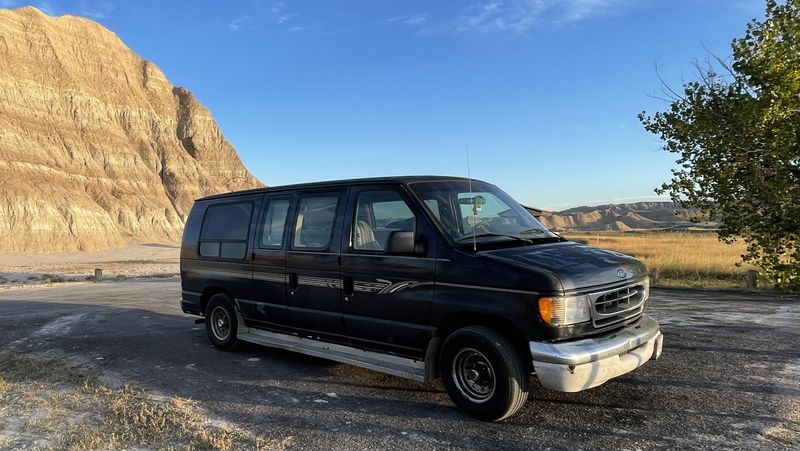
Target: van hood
<point x="577" y="266"/>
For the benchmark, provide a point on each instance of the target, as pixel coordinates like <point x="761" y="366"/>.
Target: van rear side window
<point x="274" y="224"/>
<point x="314" y="223"/>
<point x="224" y="232"/>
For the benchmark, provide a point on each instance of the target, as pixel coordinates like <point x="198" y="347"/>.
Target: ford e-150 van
<point x="422" y="277"/>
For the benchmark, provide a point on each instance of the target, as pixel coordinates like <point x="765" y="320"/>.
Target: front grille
<point x="618" y="305"/>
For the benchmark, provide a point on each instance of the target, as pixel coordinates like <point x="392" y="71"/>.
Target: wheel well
<point x="207" y="293"/>
<point x="452" y="323"/>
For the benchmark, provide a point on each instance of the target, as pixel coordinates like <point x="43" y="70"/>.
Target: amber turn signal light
<point x="546" y="310"/>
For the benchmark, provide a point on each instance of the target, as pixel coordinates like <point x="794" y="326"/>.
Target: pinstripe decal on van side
<point x="244" y="274"/>
<point x="321" y="282"/>
<point x="383" y="286"/>
<point x="269" y="276"/>
<point x="380" y="286"/>
<point x="221" y="272"/>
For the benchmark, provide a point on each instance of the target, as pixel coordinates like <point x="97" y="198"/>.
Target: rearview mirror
<point x="404" y="242"/>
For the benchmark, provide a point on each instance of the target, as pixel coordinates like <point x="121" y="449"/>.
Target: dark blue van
<point x="422" y="277"/>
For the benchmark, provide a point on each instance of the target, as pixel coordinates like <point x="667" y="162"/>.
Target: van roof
<point x="346" y="182"/>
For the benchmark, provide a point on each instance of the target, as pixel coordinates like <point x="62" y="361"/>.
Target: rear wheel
<point x="483" y="373"/>
<point x="221" y="323"/>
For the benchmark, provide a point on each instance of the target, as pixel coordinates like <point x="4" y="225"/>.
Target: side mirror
<point x="404" y="242"/>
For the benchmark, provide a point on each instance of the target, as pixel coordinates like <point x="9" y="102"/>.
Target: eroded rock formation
<point x="626" y="217"/>
<point x="97" y="148"/>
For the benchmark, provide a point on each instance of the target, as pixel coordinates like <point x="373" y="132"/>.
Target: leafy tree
<point x="737" y="132"/>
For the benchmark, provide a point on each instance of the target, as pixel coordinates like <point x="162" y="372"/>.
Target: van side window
<point x="224" y="231"/>
<point x="274" y="224"/>
<point x="315" y="219"/>
<point x="378" y="213"/>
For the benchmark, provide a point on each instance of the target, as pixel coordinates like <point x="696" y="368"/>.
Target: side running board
<point x="384" y="363"/>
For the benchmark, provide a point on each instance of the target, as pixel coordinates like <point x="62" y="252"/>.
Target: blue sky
<point x="544" y="92"/>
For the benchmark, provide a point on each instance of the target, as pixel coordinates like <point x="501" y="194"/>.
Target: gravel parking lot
<point x="729" y="376"/>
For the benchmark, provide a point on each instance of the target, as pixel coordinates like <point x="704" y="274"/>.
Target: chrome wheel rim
<point x="220" y="323"/>
<point x="473" y="375"/>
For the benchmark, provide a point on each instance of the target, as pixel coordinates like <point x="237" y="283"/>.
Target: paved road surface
<point x="729" y="377"/>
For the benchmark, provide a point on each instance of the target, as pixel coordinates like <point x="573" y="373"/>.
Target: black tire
<point x="221" y="322"/>
<point x="483" y="373"/>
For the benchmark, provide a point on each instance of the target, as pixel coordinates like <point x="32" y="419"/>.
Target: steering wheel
<point x="481" y="224"/>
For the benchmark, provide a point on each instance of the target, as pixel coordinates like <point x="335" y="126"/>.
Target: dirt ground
<point x="136" y="261"/>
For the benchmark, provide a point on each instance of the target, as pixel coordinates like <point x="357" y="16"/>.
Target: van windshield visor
<point x="481" y="210"/>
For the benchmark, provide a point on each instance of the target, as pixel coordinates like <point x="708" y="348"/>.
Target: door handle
<point x="347" y="286"/>
<point x="293" y="281"/>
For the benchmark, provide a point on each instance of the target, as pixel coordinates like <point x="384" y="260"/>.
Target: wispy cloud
<point x="260" y="15"/>
<point x="285" y="18"/>
<point x="511" y="16"/>
<point x="46" y="8"/>
<point x="95" y="10"/>
<point x="578" y="10"/>
<point x="277" y="7"/>
<point x="238" y="23"/>
<point x="280" y="16"/>
<point x="413" y="19"/>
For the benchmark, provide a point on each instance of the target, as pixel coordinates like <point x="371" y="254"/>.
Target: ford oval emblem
<point x="621" y="273"/>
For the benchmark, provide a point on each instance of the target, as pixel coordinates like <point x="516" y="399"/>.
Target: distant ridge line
<point x="627" y="217"/>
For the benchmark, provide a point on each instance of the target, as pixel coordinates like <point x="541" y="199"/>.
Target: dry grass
<point x="679" y="259"/>
<point x="787" y="433"/>
<point x="48" y="404"/>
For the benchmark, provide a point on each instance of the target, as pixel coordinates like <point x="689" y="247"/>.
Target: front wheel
<point x="221" y="323"/>
<point x="483" y="374"/>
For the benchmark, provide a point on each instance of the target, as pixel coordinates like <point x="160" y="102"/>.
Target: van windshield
<point x="482" y="211"/>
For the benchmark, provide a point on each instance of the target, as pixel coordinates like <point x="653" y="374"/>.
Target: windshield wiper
<point x="532" y="232"/>
<point x="487" y="234"/>
<point x="553" y="236"/>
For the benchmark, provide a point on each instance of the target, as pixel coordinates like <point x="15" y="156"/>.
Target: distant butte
<point x="638" y="216"/>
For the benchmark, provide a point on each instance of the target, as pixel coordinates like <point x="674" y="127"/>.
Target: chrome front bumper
<point x="578" y="365"/>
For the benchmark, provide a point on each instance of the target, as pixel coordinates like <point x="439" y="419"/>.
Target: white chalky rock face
<point x="97" y="148"/>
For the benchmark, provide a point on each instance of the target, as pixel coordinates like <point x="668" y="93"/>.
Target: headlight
<point x="565" y="310"/>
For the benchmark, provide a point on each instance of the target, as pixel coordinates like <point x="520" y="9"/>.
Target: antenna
<point x="472" y="201"/>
